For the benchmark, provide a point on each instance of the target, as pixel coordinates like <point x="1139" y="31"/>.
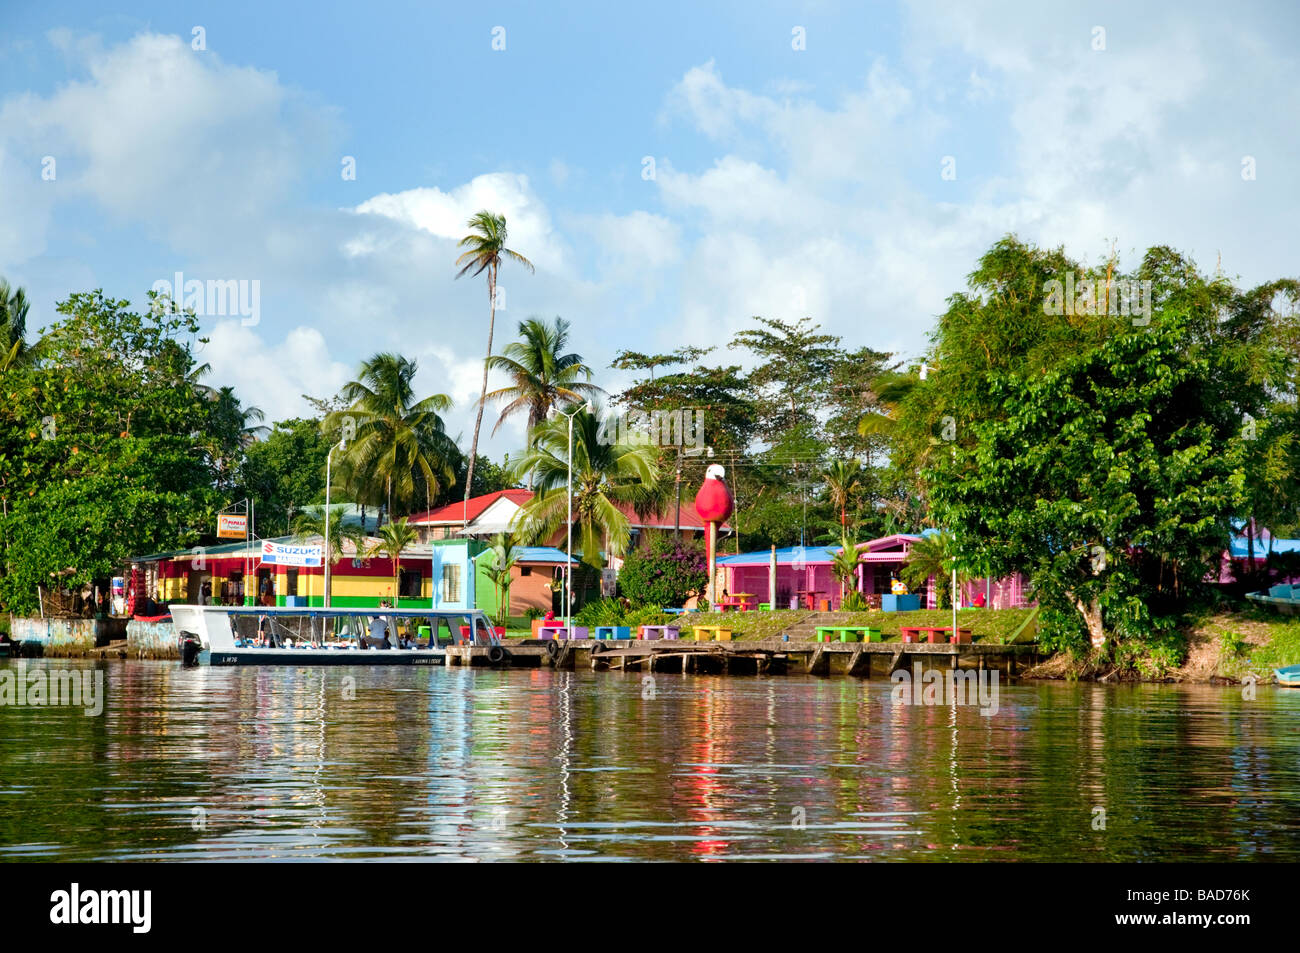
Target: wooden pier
<point x="857" y="659"/>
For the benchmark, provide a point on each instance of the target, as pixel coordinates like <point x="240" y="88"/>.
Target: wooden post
<point x="713" y="565"/>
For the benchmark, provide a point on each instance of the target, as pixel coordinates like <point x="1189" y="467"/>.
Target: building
<point x="804" y="577"/>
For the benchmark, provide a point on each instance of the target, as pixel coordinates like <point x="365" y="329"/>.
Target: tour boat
<point x="262" y="635"/>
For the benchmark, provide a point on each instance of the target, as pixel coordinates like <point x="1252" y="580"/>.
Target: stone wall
<point x="64" y="637"/>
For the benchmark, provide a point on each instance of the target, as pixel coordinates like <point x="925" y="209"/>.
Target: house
<point x="437" y="574"/>
<point x="804" y="571"/>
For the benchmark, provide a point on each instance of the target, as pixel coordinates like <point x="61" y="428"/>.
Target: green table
<point x="848" y="633"/>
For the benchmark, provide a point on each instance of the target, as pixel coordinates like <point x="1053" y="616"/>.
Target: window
<point x="525" y="570"/>
<point x="410" y="583"/>
<point x="291" y="582"/>
<point x="451" y="583"/>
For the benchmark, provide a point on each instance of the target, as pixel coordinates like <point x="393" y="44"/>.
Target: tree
<point x="392" y="539"/>
<point x="930" y="556"/>
<point x="604" y="475"/>
<point x="666" y="572"/>
<point x="399" y="444"/>
<point x="284" y="471"/>
<point x="101" y="448"/>
<point x="844" y="482"/>
<point x="1105" y="457"/>
<point x="844" y="564"/>
<point x="503" y="563"/>
<point x="795" y="364"/>
<point x="13" y="323"/>
<point x="231" y="429"/>
<point x="310" y="525"/>
<point x="485" y="249"/>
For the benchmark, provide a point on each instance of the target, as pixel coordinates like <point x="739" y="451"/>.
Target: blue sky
<point x="787" y="181"/>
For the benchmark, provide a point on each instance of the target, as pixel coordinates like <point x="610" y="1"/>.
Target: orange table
<point x="912" y="633"/>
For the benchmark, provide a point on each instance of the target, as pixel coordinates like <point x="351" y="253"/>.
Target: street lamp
<point x="568" y="550"/>
<point x="341" y="445"/>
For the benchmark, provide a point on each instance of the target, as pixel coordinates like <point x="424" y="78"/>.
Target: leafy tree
<point x="844" y="564"/>
<point x="932" y="555"/>
<point x="13" y="323"/>
<point x="485" y="249"/>
<point x="795" y="362"/>
<point x="101" y="448"/>
<point x="845" y="482"/>
<point x="284" y="471"/>
<point x="664" y="572"/>
<point x="542" y="377"/>
<point x="502" y="565"/>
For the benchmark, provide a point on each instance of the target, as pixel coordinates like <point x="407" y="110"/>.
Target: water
<point x="247" y="763"/>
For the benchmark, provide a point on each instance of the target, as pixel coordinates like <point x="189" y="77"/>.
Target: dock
<point x="774" y="657"/>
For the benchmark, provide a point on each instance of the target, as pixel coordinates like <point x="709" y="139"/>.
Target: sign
<point x="282" y="554"/>
<point x="232" y="526"/>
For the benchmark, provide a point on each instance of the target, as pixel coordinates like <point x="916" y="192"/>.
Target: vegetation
<point x="663" y="573"/>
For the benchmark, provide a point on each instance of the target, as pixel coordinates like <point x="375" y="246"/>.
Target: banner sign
<point x="282" y="554"/>
<point x="232" y="526"/>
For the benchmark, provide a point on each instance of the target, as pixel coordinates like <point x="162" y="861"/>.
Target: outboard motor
<point x="190" y="648"/>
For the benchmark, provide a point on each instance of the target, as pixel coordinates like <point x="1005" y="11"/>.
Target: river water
<point x="476" y="764"/>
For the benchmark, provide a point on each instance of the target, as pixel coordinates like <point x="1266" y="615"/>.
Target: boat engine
<point x="190" y="647"/>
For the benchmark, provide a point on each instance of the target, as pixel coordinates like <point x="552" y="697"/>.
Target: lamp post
<point x="568" y="550"/>
<point x="341" y="445"/>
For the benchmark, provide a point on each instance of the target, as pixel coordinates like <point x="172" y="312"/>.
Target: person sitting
<point x="378" y="637"/>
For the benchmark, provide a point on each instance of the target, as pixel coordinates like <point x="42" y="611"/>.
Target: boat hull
<point x="227" y="657"/>
<point x="1288" y="677"/>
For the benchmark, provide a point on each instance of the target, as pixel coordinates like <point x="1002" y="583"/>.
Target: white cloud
<point x="273" y="375"/>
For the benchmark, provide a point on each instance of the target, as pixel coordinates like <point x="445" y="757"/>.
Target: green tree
<point x="665" y="572"/>
<point x="931" y="556"/>
<point x="503" y="564"/>
<point x="399" y="445"/>
<point x="604" y="475"/>
<point x="392" y="539"/>
<point x="845" y="482"/>
<point x="284" y="471"/>
<point x="13" y="323"/>
<point x="485" y="249"/>
<point x="844" y="564"/>
<point x="310" y="525"/>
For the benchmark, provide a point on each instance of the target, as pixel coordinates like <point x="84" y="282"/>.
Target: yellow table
<point x="717" y="633"/>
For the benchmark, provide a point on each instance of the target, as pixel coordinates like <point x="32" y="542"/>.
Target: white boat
<point x="262" y="635"/>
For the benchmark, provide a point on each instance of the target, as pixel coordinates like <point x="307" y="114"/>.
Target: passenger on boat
<point x="378" y="638"/>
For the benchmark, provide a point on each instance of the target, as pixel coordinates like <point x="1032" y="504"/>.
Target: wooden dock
<point x="857" y="659"/>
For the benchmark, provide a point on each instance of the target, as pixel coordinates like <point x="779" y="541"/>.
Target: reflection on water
<point x="252" y="763"/>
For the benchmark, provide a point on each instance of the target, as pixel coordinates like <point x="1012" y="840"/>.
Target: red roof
<point x="459" y="512"/>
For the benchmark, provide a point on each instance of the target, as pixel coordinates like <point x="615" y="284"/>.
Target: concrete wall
<point x="151" y="640"/>
<point x="65" y="637"/>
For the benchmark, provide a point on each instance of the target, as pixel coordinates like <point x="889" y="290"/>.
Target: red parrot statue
<point x="714" y="504"/>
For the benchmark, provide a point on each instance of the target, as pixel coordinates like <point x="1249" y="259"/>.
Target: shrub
<point x="854" y="602"/>
<point x="665" y="573"/>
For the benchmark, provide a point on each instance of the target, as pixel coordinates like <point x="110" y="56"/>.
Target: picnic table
<point x="613" y="632"/>
<point x="661" y="631"/>
<point x="912" y="633"/>
<point x="561" y="631"/>
<point x="716" y="632"/>
<point x="738" y="600"/>
<point x="859" y="633"/>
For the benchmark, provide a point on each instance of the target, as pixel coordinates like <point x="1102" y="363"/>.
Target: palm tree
<point x="605" y="475"/>
<point x="232" y="428"/>
<point x="311" y="524"/>
<point x="541" y="375"/>
<point x="393" y="537"/>
<point x="13" y="323"/>
<point x="503" y="562"/>
<point x="844" y="564"/>
<point x="930" y="556"/>
<point x="399" y="443"/>
<point x="485" y="248"/>
<point x="843" y="479"/>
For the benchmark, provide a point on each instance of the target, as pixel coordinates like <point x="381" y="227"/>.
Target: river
<point x="478" y="764"/>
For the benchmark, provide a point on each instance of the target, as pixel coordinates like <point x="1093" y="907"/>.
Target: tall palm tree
<point x="13" y="323"/>
<point x="541" y="375"/>
<point x="232" y="429"/>
<point x="485" y="249"/>
<point x="605" y="475"/>
<point x="399" y="443"/>
<point x="843" y="479"/>
<point x="311" y="524"/>
<point x="392" y="538"/>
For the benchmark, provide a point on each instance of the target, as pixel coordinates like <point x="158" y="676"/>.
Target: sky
<point x="672" y="169"/>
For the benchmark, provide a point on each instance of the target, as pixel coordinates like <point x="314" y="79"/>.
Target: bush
<point x="854" y="602"/>
<point x="601" y="612"/>
<point x="665" y="573"/>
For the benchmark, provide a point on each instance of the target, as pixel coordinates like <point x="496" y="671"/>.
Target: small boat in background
<point x="1288" y="677"/>
<point x="1284" y="599"/>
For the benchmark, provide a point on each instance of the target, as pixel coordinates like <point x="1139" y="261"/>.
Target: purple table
<point x="662" y="631"/>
